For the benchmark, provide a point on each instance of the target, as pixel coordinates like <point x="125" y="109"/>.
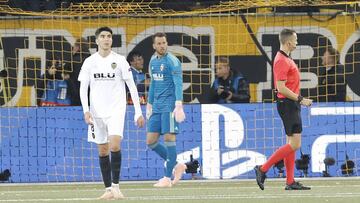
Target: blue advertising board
<point x="49" y="144"/>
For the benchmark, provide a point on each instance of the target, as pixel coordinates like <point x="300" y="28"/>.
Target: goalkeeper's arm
<point x="177" y="78"/>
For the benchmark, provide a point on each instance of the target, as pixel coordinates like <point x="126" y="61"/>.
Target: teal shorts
<point x="162" y="123"/>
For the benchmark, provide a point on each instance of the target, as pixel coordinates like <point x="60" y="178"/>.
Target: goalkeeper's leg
<point x="152" y="136"/>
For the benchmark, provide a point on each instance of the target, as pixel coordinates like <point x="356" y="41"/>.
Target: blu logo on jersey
<point x="104" y="75"/>
<point x="158" y="76"/>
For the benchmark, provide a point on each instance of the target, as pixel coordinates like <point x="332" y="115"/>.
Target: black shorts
<point x="290" y="113"/>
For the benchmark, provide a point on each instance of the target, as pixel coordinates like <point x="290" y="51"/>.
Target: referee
<point x="287" y="84"/>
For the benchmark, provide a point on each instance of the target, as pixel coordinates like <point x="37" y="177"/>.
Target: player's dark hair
<point x="132" y="55"/>
<point x="100" y="29"/>
<point x="285" y="34"/>
<point x="158" y="34"/>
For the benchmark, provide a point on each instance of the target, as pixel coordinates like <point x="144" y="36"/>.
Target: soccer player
<point x="287" y="84"/>
<point x="164" y="110"/>
<point x="107" y="72"/>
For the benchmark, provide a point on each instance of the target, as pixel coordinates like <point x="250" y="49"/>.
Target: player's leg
<point x="291" y="184"/>
<point x="289" y="161"/>
<point x="170" y="129"/>
<point x="105" y="167"/>
<point x="98" y="134"/>
<point x="294" y="139"/>
<point x="278" y="155"/>
<point x="170" y="143"/>
<point x="167" y="129"/>
<point x="152" y="136"/>
<point x="115" y="130"/>
<point x="289" y="112"/>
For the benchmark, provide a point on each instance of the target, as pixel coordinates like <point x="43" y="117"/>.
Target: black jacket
<point x="236" y="84"/>
<point x="332" y="84"/>
<point x="74" y="68"/>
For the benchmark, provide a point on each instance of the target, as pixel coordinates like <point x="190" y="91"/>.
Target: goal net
<point x="44" y="140"/>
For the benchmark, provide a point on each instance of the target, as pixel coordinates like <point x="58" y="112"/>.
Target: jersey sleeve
<point x="151" y="87"/>
<point x="176" y="73"/>
<point x="281" y="69"/>
<point x="126" y="72"/>
<point x="84" y="74"/>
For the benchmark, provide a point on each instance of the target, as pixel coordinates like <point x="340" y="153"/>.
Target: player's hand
<point x="148" y="111"/>
<point x="140" y="122"/>
<point x="88" y="118"/>
<point x="179" y="112"/>
<point x="220" y="90"/>
<point x="306" y="102"/>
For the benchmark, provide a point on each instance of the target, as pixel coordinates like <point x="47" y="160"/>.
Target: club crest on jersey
<point x="162" y="67"/>
<point x="113" y="65"/>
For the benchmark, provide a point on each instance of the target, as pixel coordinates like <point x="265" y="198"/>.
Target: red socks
<point x="278" y="155"/>
<point x="289" y="162"/>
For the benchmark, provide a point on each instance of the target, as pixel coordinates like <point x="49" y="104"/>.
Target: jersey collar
<point x="138" y="71"/>
<point x="158" y="57"/>
<point x="283" y="53"/>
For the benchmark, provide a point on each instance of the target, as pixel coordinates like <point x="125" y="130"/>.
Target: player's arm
<point x="84" y="86"/>
<point x="178" y="80"/>
<point x="135" y="98"/>
<point x="150" y="94"/>
<point x="151" y="87"/>
<point x="281" y="87"/>
<point x="127" y="76"/>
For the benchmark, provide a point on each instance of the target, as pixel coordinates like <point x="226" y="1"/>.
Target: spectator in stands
<point x="136" y="62"/>
<point x="35" y="5"/>
<point x="53" y="86"/>
<point x="332" y="83"/>
<point x="80" y="51"/>
<point x="229" y="87"/>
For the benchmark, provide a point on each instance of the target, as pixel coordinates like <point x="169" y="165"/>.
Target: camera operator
<point x="229" y="87"/>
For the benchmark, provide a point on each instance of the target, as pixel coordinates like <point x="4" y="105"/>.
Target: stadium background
<point x="48" y="144"/>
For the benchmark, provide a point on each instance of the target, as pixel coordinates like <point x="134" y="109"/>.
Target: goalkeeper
<point x="164" y="110"/>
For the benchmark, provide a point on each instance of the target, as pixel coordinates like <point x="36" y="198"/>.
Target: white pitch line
<point x="198" y="197"/>
<point x="173" y="188"/>
<point x="182" y="181"/>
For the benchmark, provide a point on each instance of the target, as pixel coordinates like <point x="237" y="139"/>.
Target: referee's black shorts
<point x="290" y="113"/>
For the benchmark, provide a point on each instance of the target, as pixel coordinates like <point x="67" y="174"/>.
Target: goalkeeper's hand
<point x="179" y="112"/>
<point x="148" y="111"/>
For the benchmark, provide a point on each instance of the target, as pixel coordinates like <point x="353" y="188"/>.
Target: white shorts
<point x="104" y="127"/>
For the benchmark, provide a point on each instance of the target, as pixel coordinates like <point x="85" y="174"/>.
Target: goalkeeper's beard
<point x="161" y="52"/>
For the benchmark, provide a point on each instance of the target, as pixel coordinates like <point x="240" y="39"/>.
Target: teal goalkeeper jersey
<point x="166" y="82"/>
